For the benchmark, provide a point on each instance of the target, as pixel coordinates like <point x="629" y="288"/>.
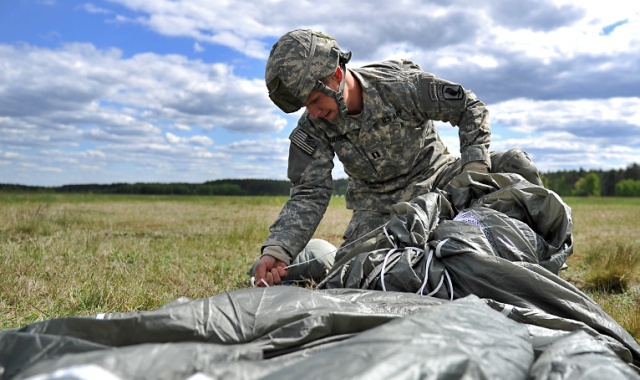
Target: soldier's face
<point x="321" y="105"/>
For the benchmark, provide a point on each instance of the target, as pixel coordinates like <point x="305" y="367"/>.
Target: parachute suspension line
<point x="426" y="276"/>
<point x="442" y="278"/>
<point x="428" y="259"/>
<point x="336" y="250"/>
<point x="395" y="248"/>
<point x="446" y="273"/>
<point x="437" y="287"/>
<point x="384" y="226"/>
<point x="386" y="257"/>
<point x="389" y="237"/>
<point x="384" y="265"/>
<point x="253" y="282"/>
<point x="426" y="273"/>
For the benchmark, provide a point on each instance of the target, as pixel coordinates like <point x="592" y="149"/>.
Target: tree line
<point x="621" y="182"/>
<point x="231" y="187"/>
<point x="606" y="183"/>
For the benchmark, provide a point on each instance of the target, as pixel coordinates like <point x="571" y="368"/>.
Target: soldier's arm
<point x="310" y="165"/>
<point x="450" y="102"/>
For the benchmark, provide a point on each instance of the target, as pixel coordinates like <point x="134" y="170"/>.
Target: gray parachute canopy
<point x="493" y="242"/>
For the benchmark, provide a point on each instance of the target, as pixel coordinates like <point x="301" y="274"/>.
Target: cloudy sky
<point x="109" y="91"/>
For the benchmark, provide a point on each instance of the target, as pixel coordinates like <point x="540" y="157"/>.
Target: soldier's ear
<point x="338" y="74"/>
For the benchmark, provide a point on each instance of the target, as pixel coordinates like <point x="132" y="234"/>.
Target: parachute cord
<point x="253" y="282"/>
<point x="446" y="273"/>
<point x="390" y="238"/>
<point x="442" y="278"/>
<point x="426" y="272"/>
<point x="336" y="250"/>
<point x="386" y="257"/>
<point x="437" y="287"/>
<point x="384" y="265"/>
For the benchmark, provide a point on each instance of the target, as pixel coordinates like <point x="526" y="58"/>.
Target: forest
<point x="605" y="183"/>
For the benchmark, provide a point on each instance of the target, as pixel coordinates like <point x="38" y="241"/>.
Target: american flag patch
<point x="303" y="141"/>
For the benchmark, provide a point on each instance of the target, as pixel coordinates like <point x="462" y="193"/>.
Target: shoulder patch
<point x="452" y="92"/>
<point x="303" y="141"/>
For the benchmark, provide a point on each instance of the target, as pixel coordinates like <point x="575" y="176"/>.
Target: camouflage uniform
<point x="391" y="151"/>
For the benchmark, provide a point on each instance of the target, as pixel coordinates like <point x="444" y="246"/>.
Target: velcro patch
<point x="303" y="141"/>
<point x="433" y="91"/>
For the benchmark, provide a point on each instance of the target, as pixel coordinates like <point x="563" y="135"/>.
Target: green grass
<point x="83" y="254"/>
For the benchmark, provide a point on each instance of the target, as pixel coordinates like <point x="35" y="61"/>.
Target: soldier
<point x="378" y="120"/>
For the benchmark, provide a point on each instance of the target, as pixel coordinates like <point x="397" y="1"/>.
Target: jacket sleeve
<point x="446" y="101"/>
<point x="310" y="166"/>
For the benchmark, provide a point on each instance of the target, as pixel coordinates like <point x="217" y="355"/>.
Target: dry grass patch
<point x="612" y="268"/>
<point x="74" y="255"/>
<point x="605" y="259"/>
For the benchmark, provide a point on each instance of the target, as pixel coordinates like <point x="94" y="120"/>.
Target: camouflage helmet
<point x="297" y="62"/>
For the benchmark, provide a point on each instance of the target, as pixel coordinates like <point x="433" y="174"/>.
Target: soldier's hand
<point x="271" y="270"/>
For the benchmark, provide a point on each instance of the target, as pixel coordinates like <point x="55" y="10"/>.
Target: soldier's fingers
<point x="282" y="272"/>
<point x="261" y="271"/>
<point x="269" y="278"/>
<point x="276" y="276"/>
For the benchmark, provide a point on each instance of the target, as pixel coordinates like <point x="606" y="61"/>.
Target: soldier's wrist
<point x="277" y="252"/>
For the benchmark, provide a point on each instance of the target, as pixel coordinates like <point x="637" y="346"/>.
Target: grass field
<point x="73" y="255"/>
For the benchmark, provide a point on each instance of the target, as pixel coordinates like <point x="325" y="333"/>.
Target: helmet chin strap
<point x="337" y="95"/>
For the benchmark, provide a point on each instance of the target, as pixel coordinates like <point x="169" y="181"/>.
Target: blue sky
<point x="172" y="91"/>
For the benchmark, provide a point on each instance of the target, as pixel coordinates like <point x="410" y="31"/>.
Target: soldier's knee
<point x="313" y="263"/>
<point x="363" y="223"/>
<point x="516" y="161"/>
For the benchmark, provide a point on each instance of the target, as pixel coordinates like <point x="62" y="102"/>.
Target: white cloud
<point x="584" y="115"/>
<point x="258" y="147"/>
<point x="563" y="134"/>
<point x="94" y="153"/>
<point x="112" y="109"/>
<point x="191" y="140"/>
<point x="8" y="155"/>
<point x="547" y="69"/>
<point x="92" y="8"/>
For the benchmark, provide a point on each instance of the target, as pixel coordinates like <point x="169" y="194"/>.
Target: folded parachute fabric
<point x="287" y="332"/>
<point x="496" y="236"/>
